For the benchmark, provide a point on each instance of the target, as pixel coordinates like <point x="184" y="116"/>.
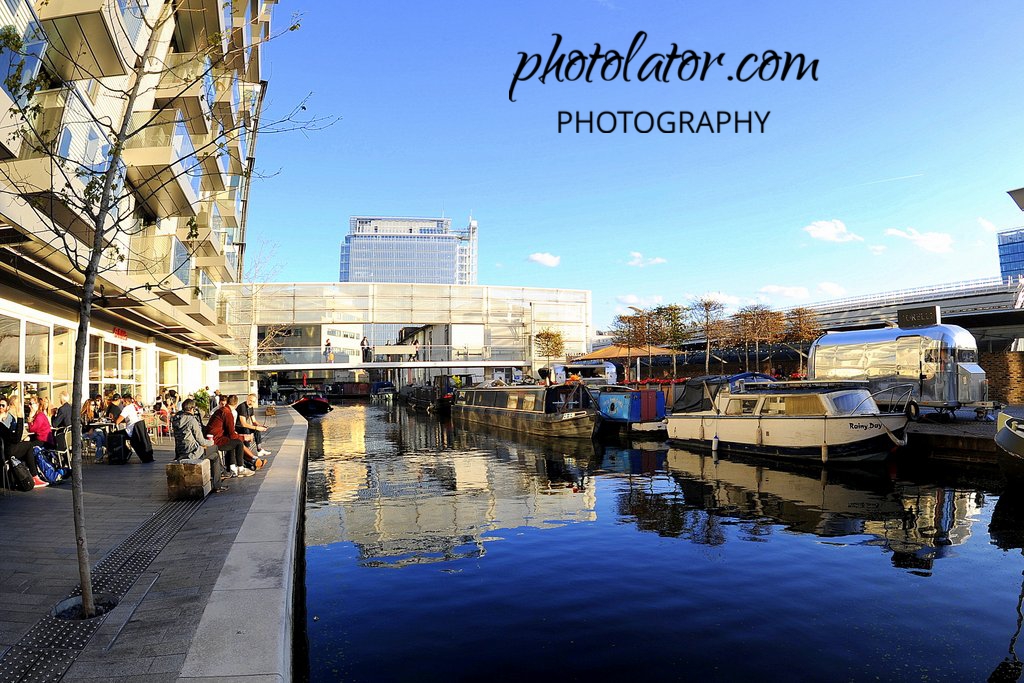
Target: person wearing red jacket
<point x="222" y="428"/>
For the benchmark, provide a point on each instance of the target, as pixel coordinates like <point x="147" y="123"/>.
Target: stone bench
<point x="188" y="479"/>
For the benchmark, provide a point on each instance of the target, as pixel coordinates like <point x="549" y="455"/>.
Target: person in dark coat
<point x="189" y="442"/>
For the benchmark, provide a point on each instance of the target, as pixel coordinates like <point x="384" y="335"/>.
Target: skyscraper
<point x="1011" y="253"/>
<point x="423" y="250"/>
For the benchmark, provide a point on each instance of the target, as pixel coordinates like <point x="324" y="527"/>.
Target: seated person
<point x="96" y="434"/>
<point x="222" y="428"/>
<point x="189" y="443"/>
<point x="62" y="418"/>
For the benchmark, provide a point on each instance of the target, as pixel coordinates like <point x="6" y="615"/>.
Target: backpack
<point x="18" y="475"/>
<point x="45" y="464"/>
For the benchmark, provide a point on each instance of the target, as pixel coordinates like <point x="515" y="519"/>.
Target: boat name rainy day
<point x="674" y="65"/>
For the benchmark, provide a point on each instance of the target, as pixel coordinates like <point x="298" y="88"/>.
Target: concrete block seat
<point x="188" y="479"/>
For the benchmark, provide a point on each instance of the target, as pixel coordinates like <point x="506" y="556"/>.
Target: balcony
<point x="210" y="235"/>
<point x="215" y="160"/>
<point x="222" y="267"/>
<point x="163" y="261"/>
<point x="22" y="19"/>
<point x="187" y="85"/>
<point x="227" y="99"/>
<point x="201" y="23"/>
<point x="203" y="307"/>
<point x="54" y="177"/>
<point x="162" y="164"/>
<point x="92" y="38"/>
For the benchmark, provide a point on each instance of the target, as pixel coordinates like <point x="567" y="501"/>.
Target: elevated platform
<point x="394" y="365"/>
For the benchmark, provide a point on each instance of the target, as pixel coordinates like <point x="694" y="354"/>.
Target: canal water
<point x="437" y="553"/>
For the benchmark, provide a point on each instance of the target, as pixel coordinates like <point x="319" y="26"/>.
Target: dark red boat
<point x="312" y="406"/>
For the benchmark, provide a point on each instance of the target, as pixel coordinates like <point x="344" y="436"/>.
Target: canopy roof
<point x="618" y="351"/>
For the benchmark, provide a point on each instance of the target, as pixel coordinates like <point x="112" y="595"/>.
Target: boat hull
<point x="312" y="407"/>
<point x="1010" y="439"/>
<point x="829" y="438"/>
<point x="576" y="425"/>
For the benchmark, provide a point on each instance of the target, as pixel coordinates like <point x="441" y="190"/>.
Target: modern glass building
<point x="422" y="250"/>
<point x="1011" y="253"/>
<point x="480" y="329"/>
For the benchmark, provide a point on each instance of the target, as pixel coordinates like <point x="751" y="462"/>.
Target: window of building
<point x="10" y="344"/>
<point x="37" y="349"/>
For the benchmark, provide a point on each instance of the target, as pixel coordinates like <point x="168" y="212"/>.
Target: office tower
<point x="418" y="250"/>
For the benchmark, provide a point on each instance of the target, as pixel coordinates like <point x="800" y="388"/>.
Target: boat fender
<point x="824" y="452"/>
<point x="714" y="444"/>
<point x="760" y="440"/>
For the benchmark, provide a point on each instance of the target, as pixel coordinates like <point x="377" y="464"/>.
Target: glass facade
<point x="458" y="323"/>
<point x="418" y="250"/>
<point x="1011" y="253"/>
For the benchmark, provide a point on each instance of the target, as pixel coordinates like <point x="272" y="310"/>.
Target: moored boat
<point x="562" y="410"/>
<point x="312" y="406"/>
<point x="831" y="421"/>
<point x="1010" y="439"/>
<point x="622" y="409"/>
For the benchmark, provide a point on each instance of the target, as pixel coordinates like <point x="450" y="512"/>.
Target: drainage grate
<point x="50" y="647"/>
<point x="113" y="584"/>
<point x="63" y="634"/>
<point x="25" y="665"/>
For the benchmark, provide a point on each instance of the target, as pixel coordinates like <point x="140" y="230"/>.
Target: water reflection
<point x="916" y="524"/>
<point x="584" y="555"/>
<point x="411" y="490"/>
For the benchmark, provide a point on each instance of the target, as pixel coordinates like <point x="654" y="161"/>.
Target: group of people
<point x="232" y="427"/>
<point x="20" y="434"/>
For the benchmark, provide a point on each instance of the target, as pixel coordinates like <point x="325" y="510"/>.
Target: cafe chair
<point x="62" y="446"/>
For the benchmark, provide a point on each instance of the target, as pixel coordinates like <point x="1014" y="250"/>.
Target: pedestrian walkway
<point x="189" y="572"/>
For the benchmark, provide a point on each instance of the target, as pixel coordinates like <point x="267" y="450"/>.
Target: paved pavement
<point x="180" y="597"/>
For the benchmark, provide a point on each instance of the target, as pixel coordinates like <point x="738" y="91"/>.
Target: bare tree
<point x="708" y="319"/>
<point x="261" y="267"/>
<point x="671" y="327"/>
<point x="759" y="323"/>
<point x="101" y="205"/>
<point x="802" y="328"/>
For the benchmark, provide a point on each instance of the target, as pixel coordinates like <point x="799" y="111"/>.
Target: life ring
<point x="913" y="411"/>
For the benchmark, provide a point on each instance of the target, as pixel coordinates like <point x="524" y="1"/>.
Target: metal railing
<point x="901" y="296"/>
<point x="310" y="355"/>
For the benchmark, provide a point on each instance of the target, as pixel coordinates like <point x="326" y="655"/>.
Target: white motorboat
<point x="833" y="421"/>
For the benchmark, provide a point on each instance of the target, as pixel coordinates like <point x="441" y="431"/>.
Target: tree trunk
<point x="79" y="379"/>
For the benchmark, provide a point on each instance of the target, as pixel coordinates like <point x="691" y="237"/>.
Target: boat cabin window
<point x="529" y="401"/>
<point x="857" y="402"/>
<point x="809" y="404"/>
<point x="514" y="397"/>
<point x="966" y="356"/>
<point x="741" y="406"/>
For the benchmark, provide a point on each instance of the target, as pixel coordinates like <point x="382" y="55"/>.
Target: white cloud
<point x="637" y="260"/>
<point x="831" y="231"/>
<point x="545" y="259"/>
<point x="627" y="300"/>
<point x="935" y="242"/>
<point x="987" y="225"/>
<point x="831" y="289"/>
<point x="877" y="249"/>
<point x="787" y="292"/>
<point x="727" y="299"/>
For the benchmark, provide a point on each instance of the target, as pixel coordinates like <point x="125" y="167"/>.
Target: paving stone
<point x="149" y="635"/>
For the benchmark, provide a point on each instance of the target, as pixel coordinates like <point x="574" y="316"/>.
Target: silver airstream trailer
<point x="934" y="366"/>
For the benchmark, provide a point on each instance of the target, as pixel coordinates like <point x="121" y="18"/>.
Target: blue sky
<point x="889" y="171"/>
